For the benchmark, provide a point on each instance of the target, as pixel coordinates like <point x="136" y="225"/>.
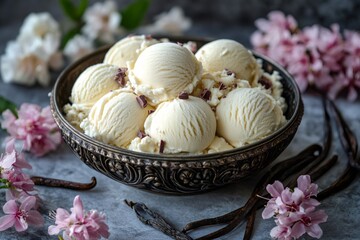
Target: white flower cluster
<point x="102" y="22"/>
<point x="28" y="58"/>
<point x="172" y="22"/>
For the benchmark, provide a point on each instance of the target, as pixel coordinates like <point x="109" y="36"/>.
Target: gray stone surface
<point x="108" y="196"/>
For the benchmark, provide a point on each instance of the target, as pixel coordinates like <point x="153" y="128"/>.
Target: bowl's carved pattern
<point x="171" y="175"/>
<point x="177" y="177"/>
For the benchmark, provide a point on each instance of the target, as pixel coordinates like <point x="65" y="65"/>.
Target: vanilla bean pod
<point x="156" y="221"/>
<point x="282" y="168"/>
<point x="228" y="228"/>
<point x="350" y="146"/>
<point x="52" y="182"/>
<point x="250" y="224"/>
<point x="328" y="138"/>
<point x="347" y="137"/>
<point x="324" y="168"/>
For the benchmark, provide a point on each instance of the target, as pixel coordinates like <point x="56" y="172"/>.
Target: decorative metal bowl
<point x="181" y="173"/>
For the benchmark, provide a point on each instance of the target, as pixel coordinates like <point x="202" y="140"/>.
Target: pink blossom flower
<point x="20" y="216"/>
<point x="309" y="223"/>
<point x="13" y="158"/>
<point x="349" y="77"/>
<point x="35" y="126"/>
<point x="281" y="232"/>
<point x="294" y="210"/>
<point x="275" y="191"/>
<point x="80" y="224"/>
<point x="273" y="31"/>
<point x="315" y="55"/>
<point x="17" y="180"/>
<point x="289" y="201"/>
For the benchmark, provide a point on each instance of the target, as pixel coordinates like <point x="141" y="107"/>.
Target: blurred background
<point x="210" y="18"/>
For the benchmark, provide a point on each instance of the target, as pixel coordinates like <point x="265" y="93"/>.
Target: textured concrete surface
<point x="108" y="196"/>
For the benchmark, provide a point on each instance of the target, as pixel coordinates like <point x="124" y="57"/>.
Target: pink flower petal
<point x="318" y="217"/>
<point x="275" y="189"/>
<point x="21" y="225"/>
<point x="10" y="207"/>
<point x="6" y="222"/>
<point x="315" y="231"/>
<point x="8" y="122"/>
<point x="297" y="196"/>
<point x="281" y="232"/>
<point x="78" y="207"/>
<point x="8" y="160"/>
<point x="35" y="218"/>
<point x="10" y="145"/>
<point x="303" y="182"/>
<point x="268" y="211"/>
<point x="298" y="230"/>
<point x="54" y="230"/>
<point x="61" y="215"/>
<point x="28" y="203"/>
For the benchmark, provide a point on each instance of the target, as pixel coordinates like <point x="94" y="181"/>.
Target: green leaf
<point x="81" y="8"/>
<point x="133" y="14"/>
<point x="6" y="104"/>
<point x="69" y="9"/>
<point x="69" y="35"/>
<point x="74" y="12"/>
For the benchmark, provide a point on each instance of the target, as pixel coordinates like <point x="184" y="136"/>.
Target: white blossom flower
<point x="102" y="21"/>
<point x="172" y="22"/>
<point x="24" y="65"/>
<point x="36" y="49"/>
<point x="78" y="47"/>
<point x="40" y="25"/>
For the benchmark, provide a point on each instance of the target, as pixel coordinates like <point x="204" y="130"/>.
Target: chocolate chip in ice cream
<point x="162" y="146"/>
<point x="205" y="94"/>
<point x="229" y="72"/>
<point x="120" y="77"/>
<point x="184" y="95"/>
<point x="222" y="86"/>
<point x="142" y="101"/>
<point x="266" y="82"/>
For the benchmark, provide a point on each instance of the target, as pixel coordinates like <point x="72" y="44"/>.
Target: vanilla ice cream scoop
<point x="228" y="54"/>
<point x="116" y="118"/>
<point x="90" y="86"/>
<point x="93" y="83"/>
<point x="247" y="115"/>
<point x="183" y="125"/>
<point x="128" y="49"/>
<point x="164" y="70"/>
